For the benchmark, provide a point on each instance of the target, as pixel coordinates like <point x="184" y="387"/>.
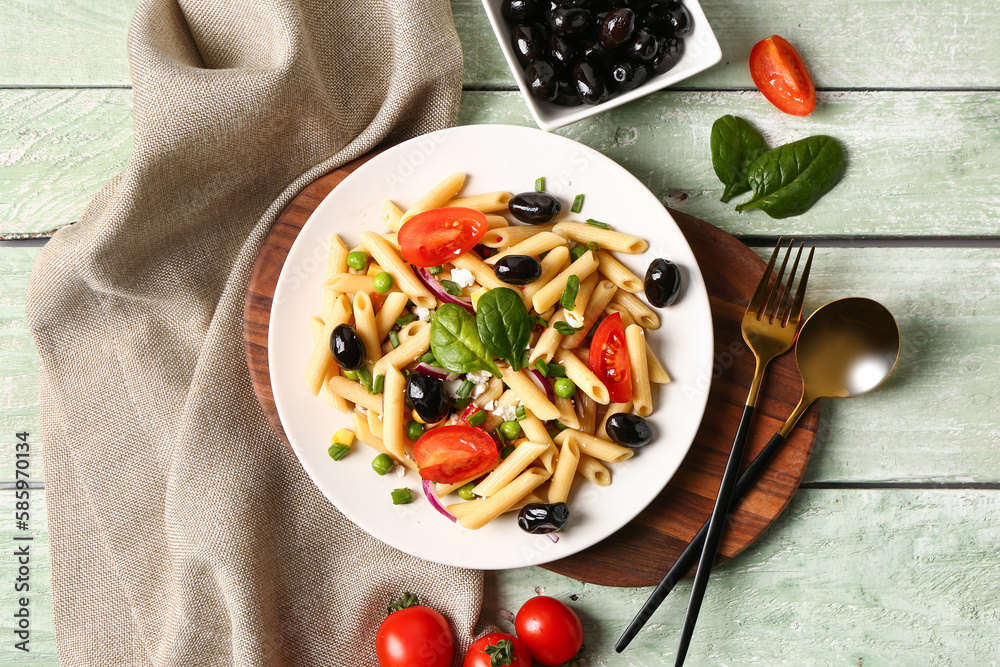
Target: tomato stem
<point x="501" y="654"/>
<point x="408" y="600"/>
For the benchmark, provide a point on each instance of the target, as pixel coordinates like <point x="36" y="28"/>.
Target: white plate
<point x="496" y="157"/>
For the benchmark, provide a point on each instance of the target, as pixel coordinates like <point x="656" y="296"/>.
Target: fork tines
<point x="775" y="294"/>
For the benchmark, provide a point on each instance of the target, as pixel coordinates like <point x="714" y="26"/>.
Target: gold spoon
<point x="846" y="348"/>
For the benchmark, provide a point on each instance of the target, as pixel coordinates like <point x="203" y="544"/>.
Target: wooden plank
<point x="845" y="577"/>
<point x="892" y="43"/>
<point x="920" y="163"/>
<point x="934" y="421"/>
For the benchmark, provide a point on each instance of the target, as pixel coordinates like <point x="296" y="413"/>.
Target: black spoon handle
<point x="690" y="554"/>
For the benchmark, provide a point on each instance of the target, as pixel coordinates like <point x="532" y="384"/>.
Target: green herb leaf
<point x="735" y="146"/>
<point x="788" y="180"/>
<point x="569" y="294"/>
<point x="455" y="341"/>
<point x="451" y="287"/>
<point x="565" y="329"/>
<point x="504" y="324"/>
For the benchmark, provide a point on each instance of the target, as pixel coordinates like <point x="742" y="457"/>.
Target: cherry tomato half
<point x="551" y="630"/>
<point x="609" y="358"/>
<point x="440" y="235"/>
<point x="414" y="636"/>
<point x="477" y="656"/>
<point x="780" y="74"/>
<point x="450" y="454"/>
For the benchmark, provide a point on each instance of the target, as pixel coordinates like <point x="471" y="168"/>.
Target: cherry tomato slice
<point x="450" y="454"/>
<point x="478" y="657"/>
<point x="551" y="630"/>
<point x="779" y="73"/>
<point x="609" y="358"/>
<point x="440" y="235"/>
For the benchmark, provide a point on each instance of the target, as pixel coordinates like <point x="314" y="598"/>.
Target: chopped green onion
<point x="382" y="464"/>
<point x="569" y="294"/>
<point x="460" y="403"/>
<point x="506" y="451"/>
<point x="428" y="359"/>
<point x="565" y="329"/>
<point x="557" y="371"/>
<point x="560" y="426"/>
<point x="542" y="367"/>
<point x="537" y="321"/>
<point x="577" y="251"/>
<point x="594" y="245"/>
<point x="338" y="451"/>
<point x="402" y="497"/>
<point x="521" y="413"/>
<point x="540" y="184"/>
<point x="465" y="389"/>
<point x="465" y="492"/>
<point x="350" y="375"/>
<point x="378" y="385"/>
<point x="477" y="418"/>
<point x="394" y="339"/>
<point x="366" y="378"/>
<point x="598" y="224"/>
<point x="434" y="270"/>
<point x="403" y="320"/>
<point x="553" y="432"/>
<point x="577" y="204"/>
<point x="451" y="287"/>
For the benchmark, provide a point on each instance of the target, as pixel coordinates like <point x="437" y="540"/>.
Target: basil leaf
<point x="456" y="344"/>
<point x="504" y="324"/>
<point x="788" y="180"/>
<point x="735" y="146"/>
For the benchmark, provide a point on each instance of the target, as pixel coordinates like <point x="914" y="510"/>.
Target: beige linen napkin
<point x="182" y="532"/>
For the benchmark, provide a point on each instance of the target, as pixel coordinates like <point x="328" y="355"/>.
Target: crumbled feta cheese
<point x="400" y="471"/>
<point x="574" y="319"/>
<point x="422" y="314"/>
<point x="462" y="277"/>
<point x="507" y="413"/>
<point x="489" y="406"/>
<point x="451" y="387"/>
<point x="479" y="377"/>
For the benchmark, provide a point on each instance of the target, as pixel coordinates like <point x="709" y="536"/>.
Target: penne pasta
<point x="496" y="221"/>
<point x="588" y="409"/>
<point x="533" y="245"/>
<point x="603" y="450"/>
<point x="547" y="344"/>
<point x="593" y="470"/>
<point x="459" y="510"/>
<point x="642" y="398"/>
<point x="606" y="238"/>
<point x="375" y="423"/>
<point x="492" y="392"/>
<point x="532" y="397"/>
<point x="484" y="274"/>
<point x="335" y="265"/>
<point x="505" y="498"/>
<point x="640" y="312"/>
<point x="392" y="215"/>
<point x="410" y="349"/>
<point x="567" y="412"/>
<point x="617" y="273"/>
<point x="548" y="295"/>
<point x="394" y="413"/>
<point x="322" y="358"/>
<point x="437" y="196"/>
<point x="392" y="308"/>
<point x="582" y="376"/>
<point x="336" y="402"/>
<point x="364" y="324"/>
<point x="490" y="202"/>
<point x="657" y="373"/>
<point x="551" y="266"/>
<point x="524" y="454"/>
<point x="583" y="295"/>
<point x="599" y="299"/>
<point x="349" y="283"/>
<point x="535" y="431"/>
<point x="613" y="408"/>
<point x="355" y="393"/>
<point x="508" y="236"/>
<point x="562" y="478"/>
<point x="390" y="261"/>
<point x="364" y="434"/>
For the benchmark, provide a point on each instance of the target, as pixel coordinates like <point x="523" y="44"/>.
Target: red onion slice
<point x="542" y="384"/>
<point x="428" y="486"/>
<point x="434" y="285"/>
<point x="437" y="372"/>
<point x="553" y="537"/>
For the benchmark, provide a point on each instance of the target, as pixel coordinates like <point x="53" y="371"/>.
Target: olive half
<point x="427" y="396"/>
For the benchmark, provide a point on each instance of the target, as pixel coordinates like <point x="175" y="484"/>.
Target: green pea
<point x="357" y="260"/>
<point x="564" y="388"/>
<point x="382" y="464"/>
<point x="383" y="282"/>
<point x="510" y="430"/>
<point x="465" y="492"/>
<point x="576" y="252"/>
<point x="414" y="430"/>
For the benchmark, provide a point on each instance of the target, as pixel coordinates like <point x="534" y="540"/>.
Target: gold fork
<point x="769" y="327"/>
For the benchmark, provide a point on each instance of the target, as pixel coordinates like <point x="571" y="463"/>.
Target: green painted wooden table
<point x="890" y="552"/>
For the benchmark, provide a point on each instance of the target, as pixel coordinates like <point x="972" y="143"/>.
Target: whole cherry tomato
<point x="449" y="454"/>
<point x="497" y="649"/>
<point x="414" y="635"/>
<point x="440" y="235"/>
<point x="551" y="630"/>
<point x="780" y="74"/>
<point x="609" y="358"/>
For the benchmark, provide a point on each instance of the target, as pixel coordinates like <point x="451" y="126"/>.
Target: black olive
<point x="669" y="52"/>
<point x="542" y="81"/>
<point x="663" y="282"/>
<point x="629" y="430"/>
<point x="589" y="83"/>
<point x="561" y="50"/>
<point x="347" y="347"/>
<point x="517" y="269"/>
<point x="534" y="207"/>
<point x="570" y="19"/>
<point x="616" y="27"/>
<point x="680" y="20"/>
<point x="628" y="75"/>
<point x="427" y="396"/>
<point x="568" y="97"/>
<point x="528" y="42"/>
<point x="518" y="10"/>
<point x="656" y="19"/>
<point x="643" y="45"/>
<point x="536" y="518"/>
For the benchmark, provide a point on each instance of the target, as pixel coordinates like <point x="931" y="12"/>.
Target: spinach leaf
<point x="788" y="180"/>
<point x="504" y="325"/>
<point x="735" y="146"/>
<point x="456" y="344"/>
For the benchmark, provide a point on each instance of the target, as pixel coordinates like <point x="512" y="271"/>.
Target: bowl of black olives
<point x="575" y="58"/>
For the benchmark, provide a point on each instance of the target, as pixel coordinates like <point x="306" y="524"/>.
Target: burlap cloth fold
<point x="182" y="532"/>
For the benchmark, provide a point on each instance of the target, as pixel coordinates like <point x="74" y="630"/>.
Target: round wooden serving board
<point x="640" y="553"/>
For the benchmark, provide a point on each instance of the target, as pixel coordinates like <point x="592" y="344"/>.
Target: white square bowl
<point x="701" y="51"/>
